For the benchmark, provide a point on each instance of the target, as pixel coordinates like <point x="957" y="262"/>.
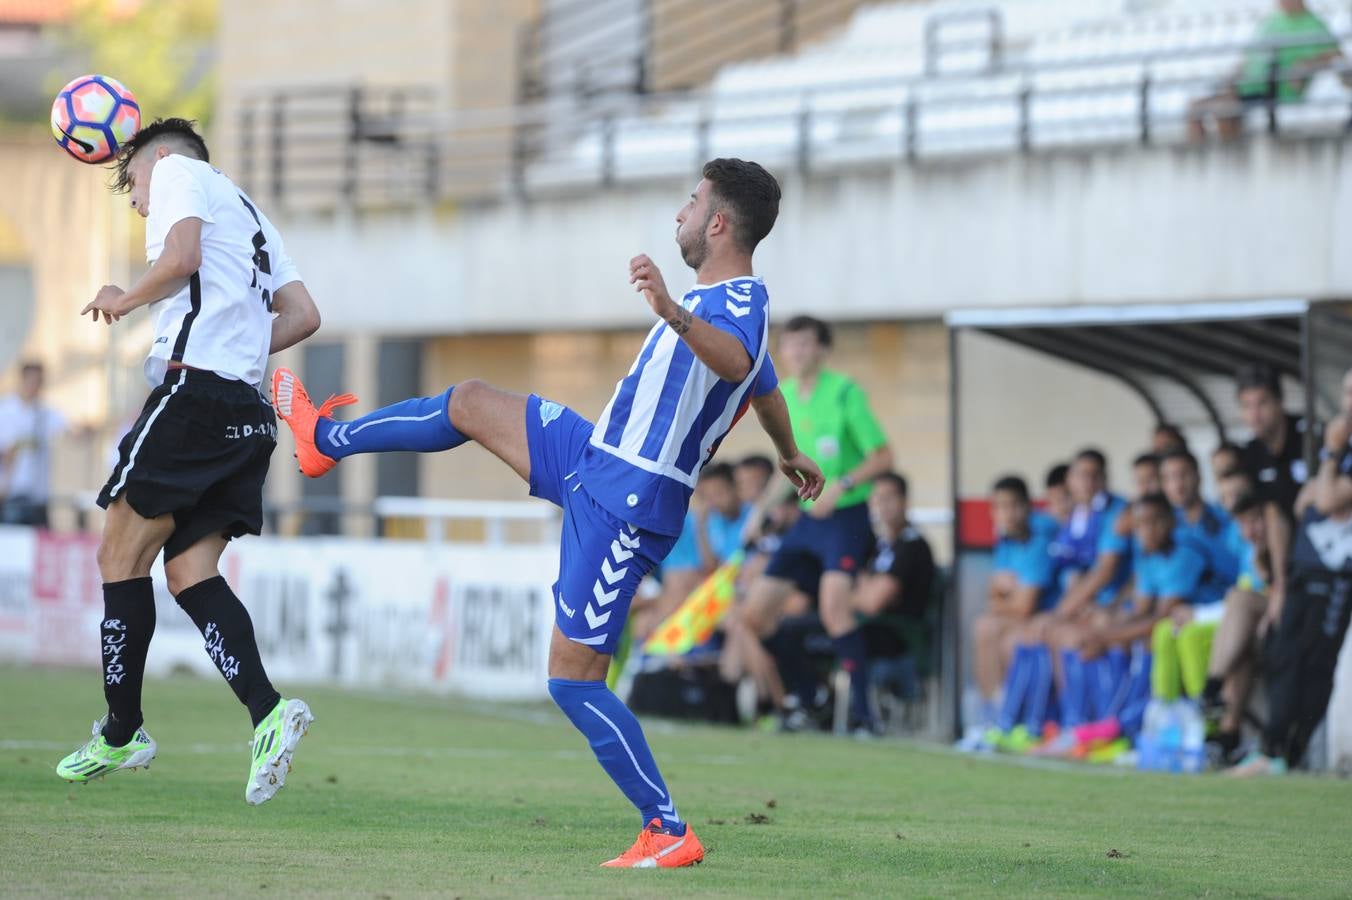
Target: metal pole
<point x="278" y="146"/>
<point x="1025" y="118"/>
<point x="1273" y="87"/>
<point x="1307" y="378"/>
<point x="951" y="613"/>
<point x="246" y="146"/>
<point x="805" y="137"/>
<point x="1145" y="108"/>
<point x="354" y="136"/>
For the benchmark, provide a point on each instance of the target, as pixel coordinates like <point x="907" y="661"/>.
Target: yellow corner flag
<point x="694" y="621"/>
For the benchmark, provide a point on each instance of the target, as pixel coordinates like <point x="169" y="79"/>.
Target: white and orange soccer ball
<point x="93" y="116"/>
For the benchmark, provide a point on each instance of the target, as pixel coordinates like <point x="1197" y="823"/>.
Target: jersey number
<point x="262" y="262"/>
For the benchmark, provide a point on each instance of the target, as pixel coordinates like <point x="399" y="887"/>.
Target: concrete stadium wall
<point x="1260" y="219"/>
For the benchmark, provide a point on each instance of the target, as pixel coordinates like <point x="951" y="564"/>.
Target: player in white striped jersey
<point x="624" y="484"/>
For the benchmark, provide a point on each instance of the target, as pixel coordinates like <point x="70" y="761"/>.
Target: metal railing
<point x="587" y="48"/>
<point x="361" y="148"/>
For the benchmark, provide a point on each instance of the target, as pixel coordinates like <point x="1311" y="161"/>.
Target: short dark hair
<point x="896" y="479"/>
<point x="1012" y="484"/>
<point x="1146" y="459"/>
<point x="181" y="131"/>
<point x="757" y="461"/>
<point x="1173" y="431"/>
<point x="1258" y="375"/>
<point x="1247" y="502"/>
<point x="1184" y="455"/>
<point x="1158" y="501"/>
<point x="749" y="193"/>
<point x="1228" y="447"/>
<point x="1093" y="454"/>
<point x="717" y="470"/>
<point x="1056" y="476"/>
<point x="809" y="323"/>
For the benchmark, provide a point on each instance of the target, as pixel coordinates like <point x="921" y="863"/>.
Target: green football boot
<point x="274" y="742"/>
<point x="97" y="758"/>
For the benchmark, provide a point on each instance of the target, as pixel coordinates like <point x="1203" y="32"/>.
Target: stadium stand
<point x="895" y="81"/>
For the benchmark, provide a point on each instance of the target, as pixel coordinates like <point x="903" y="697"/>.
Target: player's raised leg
<point x="129" y="546"/>
<point x="472" y="410"/>
<point x="279" y="724"/>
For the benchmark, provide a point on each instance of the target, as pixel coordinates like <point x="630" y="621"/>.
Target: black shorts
<point x="839" y="543"/>
<point x="200" y="451"/>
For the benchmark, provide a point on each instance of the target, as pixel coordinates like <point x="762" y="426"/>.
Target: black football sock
<point x="1211" y="693"/>
<point x="225" y="624"/>
<point x="128" y="624"/>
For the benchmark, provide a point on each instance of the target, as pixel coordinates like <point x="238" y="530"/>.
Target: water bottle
<point x="1148" y="743"/>
<point x="1171" y="739"/>
<point x="1194" y="737"/>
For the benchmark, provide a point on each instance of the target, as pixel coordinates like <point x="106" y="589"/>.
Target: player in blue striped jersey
<point x="624" y="484"/>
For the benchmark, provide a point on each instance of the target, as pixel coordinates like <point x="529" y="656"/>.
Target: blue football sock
<point x="422" y="425"/>
<point x="1038" y="697"/>
<point x="1074" y="697"/>
<point x="1017" y="680"/>
<point x="620" y="747"/>
<point x="853" y="656"/>
<point x="1132" y="716"/>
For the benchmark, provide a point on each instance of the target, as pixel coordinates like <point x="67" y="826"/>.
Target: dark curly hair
<point x="182" y="132"/>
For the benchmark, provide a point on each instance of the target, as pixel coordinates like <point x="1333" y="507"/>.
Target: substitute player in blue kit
<point x="625" y="483"/>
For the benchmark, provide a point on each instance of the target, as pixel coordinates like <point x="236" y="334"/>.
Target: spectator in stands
<point x="1056" y="495"/>
<point x="28" y="428"/>
<point x="1290" y="46"/>
<point x="1225" y="459"/>
<point x="896" y="579"/>
<point x="1275" y="456"/>
<point x="1145" y="473"/>
<point x="711" y="535"/>
<point x="753" y="475"/>
<point x="1089" y="545"/>
<point x="1093" y="554"/>
<point x="1206" y="525"/>
<point x="1313" y="618"/>
<point x="1166" y="437"/>
<point x="1246" y="620"/>
<point x="831" y="417"/>
<point x="1021" y="584"/>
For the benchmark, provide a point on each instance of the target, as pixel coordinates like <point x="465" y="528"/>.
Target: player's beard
<point x="695" y="250"/>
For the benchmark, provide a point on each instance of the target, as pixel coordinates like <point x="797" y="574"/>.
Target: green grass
<point x="403" y="796"/>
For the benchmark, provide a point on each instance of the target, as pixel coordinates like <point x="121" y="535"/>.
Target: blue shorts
<point x="842" y="542"/>
<point x="602" y="558"/>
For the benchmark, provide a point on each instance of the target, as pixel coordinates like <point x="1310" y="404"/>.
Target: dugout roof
<point x="1180" y="359"/>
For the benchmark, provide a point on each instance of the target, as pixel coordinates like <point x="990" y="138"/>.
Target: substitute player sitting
<point x="189" y="475"/>
<point x="624" y="483"/>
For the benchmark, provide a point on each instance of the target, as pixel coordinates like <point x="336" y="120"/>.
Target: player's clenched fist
<point x="647" y="279"/>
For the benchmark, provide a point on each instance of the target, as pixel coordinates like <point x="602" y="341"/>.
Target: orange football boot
<point x="655" y="849"/>
<point x="293" y="404"/>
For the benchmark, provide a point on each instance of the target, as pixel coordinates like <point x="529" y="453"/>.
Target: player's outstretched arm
<point x="180" y="258"/>
<point x="297" y="316"/>
<point x="720" y="351"/>
<point x="773" y="414"/>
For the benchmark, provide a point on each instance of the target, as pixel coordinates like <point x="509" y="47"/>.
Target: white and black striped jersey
<point x="221" y="320"/>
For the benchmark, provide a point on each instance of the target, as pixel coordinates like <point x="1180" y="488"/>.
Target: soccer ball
<point x="93" y="117"/>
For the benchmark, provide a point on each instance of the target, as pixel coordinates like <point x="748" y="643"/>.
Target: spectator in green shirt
<point x="1297" y="41"/>
<point x="824" y="550"/>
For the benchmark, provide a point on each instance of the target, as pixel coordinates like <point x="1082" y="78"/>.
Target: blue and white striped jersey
<point x="670" y="413"/>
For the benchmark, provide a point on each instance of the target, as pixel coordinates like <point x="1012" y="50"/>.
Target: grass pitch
<point x="402" y="795"/>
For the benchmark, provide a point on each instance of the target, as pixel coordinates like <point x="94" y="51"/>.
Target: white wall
<point x="1261" y="219"/>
